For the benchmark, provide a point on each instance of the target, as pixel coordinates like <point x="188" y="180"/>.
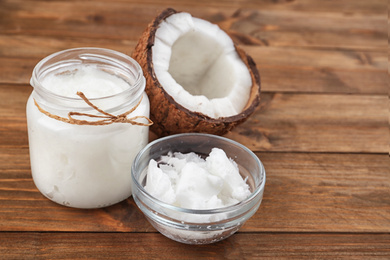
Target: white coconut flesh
<point x="196" y="63"/>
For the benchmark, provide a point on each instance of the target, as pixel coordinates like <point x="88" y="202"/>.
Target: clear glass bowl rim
<point x="232" y="208"/>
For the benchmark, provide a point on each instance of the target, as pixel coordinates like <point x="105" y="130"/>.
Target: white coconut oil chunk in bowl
<point x="81" y="165"/>
<point x="198" y="66"/>
<point x="188" y="181"/>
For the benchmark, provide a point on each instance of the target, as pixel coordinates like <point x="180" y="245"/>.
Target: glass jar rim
<point x="91" y="52"/>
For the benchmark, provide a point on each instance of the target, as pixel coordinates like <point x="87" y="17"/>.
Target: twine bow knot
<point x="106" y="118"/>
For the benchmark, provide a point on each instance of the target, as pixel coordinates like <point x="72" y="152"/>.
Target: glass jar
<point x="81" y="152"/>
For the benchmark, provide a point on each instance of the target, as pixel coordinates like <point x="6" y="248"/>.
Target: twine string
<point x="106" y="118"/>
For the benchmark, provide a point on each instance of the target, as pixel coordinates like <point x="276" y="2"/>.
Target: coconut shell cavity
<point x="197" y="79"/>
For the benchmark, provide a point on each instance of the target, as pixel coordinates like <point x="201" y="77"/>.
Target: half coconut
<point x="197" y="79"/>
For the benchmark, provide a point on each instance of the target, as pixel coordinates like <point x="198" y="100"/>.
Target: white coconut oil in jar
<point x="81" y="150"/>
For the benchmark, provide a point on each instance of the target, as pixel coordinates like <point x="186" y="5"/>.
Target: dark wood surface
<point x="322" y="130"/>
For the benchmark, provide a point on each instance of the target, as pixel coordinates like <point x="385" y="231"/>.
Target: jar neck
<point x="116" y="64"/>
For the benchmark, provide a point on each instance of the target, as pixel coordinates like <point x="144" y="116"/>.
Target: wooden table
<point x="321" y="129"/>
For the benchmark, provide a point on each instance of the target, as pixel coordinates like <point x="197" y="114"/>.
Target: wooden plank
<point x="304" y="193"/>
<point x="38" y="47"/>
<point x="308" y="29"/>
<point x="23" y="208"/>
<point x="340" y="28"/>
<point x="13" y="126"/>
<point x="283" y="122"/>
<point x="281" y="69"/>
<point x="345" y="6"/>
<point x="324" y="193"/>
<point x="321" y="79"/>
<point x="77" y="19"/>
<point x="320" y="71"/>
<point x="321" y="123"/>
<point x="153" y="246"/>
<point x="17" y="70"/>
<point x="358" y="61"/>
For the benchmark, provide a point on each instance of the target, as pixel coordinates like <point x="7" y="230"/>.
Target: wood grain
<point x="352" y="54"/>
<point x="281" y="69"/>
<point x="321" y="130"/>
<point x="321" y="123"/>
<point x="77" y="18"/>
<point x="345" y="6"/>
<point x="315" y="30"/>
<point x="284" y="122"/>
<point x="340" y="71"/>
<point x="304" y="192"/>
<point x="155" y="246"/>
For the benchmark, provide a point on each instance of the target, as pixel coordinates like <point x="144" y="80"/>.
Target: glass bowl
<point x="193" y="226"/>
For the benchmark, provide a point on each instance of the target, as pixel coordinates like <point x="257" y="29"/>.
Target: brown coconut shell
<point x="170" y="117"/>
